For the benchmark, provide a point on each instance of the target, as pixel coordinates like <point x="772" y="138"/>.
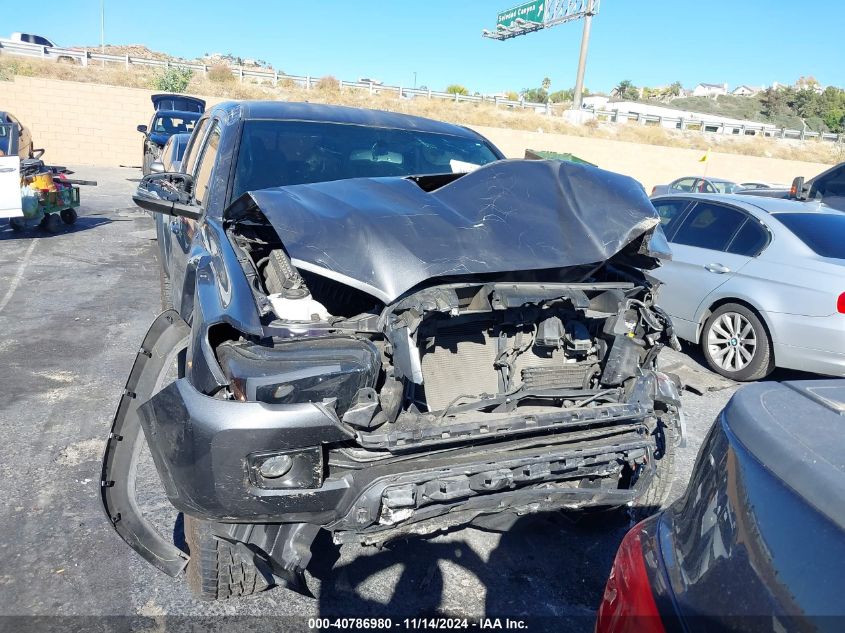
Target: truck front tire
<point x="216" y="571"/>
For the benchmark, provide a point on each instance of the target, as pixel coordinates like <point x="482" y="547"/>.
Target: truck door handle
<point x="718" y="269"/>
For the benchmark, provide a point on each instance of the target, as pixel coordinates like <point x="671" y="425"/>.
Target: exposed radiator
<point x="460" y="362"/>
<point x="572" y="375"/>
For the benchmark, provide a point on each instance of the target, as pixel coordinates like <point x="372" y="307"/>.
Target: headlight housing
<point x="300" y="370"/>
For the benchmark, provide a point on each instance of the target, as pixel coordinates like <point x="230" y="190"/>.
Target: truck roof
<point x="318" y="112"/>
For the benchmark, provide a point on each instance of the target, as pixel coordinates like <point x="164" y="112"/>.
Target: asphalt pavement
<point x="73" y="309"/>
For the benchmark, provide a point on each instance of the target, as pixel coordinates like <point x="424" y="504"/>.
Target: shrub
<point x="173" y="80"/>
<point x="457" y="89"/>
<point x="221" y="74"/>
<point x="328" y="83"/>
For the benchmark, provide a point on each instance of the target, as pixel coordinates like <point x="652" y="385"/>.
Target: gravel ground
<point x="73" y="310"/>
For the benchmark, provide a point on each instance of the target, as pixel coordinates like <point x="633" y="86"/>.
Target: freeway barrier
<point x="84" y="57"/>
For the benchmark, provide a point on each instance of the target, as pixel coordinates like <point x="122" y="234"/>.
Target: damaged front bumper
<point x="244" y="463"/>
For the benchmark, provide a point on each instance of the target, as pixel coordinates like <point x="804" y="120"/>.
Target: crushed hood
<point x="387" y="235"/>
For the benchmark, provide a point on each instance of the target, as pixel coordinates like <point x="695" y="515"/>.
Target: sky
<point x="752" y="42"/>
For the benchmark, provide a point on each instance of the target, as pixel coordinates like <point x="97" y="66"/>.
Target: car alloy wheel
<point x="732" y="341"/>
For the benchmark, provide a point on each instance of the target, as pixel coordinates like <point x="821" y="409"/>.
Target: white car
<point x="758" y="282"/>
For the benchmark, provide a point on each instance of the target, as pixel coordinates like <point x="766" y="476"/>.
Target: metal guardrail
<point x="748" y="128"/>
<point x="84" y="57"/>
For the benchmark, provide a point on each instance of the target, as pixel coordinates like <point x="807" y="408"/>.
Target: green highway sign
<point x="529" y="11"/>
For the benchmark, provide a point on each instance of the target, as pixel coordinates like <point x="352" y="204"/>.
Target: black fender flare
<point x="120" y="458"/>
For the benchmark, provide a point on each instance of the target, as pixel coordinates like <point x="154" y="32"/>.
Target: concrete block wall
<point x="93" y="124"/>
<point x="80" y="123"/>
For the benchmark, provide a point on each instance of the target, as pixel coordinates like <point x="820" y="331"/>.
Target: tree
<point x="772" y="103"/>
<point x="535" y="95"/>
<point x="563" y="96"/>
<point x="809" y="83"/>
<point x="512" y="95"/>
<point x="675" y="89"/>
<point x="547" y="83"/>
<point x="173" y="80"/>
<point x="457" y="89"/>
<point x="627" y="91"/>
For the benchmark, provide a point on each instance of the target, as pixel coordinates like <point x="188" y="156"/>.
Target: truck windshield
<point x="278" y="153"/>
<point x="182" y="123"/>
<point x="824" y="233"/>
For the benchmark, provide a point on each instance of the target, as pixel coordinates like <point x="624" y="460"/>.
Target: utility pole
<point x="102" y="26"/>
<point x="582" y="59"/>
<point x="415" y="80"/>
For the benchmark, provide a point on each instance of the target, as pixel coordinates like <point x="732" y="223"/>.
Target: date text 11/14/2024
<point x="434" y="623"/>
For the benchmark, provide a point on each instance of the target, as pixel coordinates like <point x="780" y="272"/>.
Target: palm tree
<point x="627" y="90"/>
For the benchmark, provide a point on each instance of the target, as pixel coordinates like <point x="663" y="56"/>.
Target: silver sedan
<point x="757" y="282"/>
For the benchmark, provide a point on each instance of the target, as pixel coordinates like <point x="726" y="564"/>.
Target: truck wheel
<point x="736" y="344"/>
<point x="654" y="499"/>
<point x="216" y="570"/>
<point x="69" y="216"/>
<point x="52" y="223"/>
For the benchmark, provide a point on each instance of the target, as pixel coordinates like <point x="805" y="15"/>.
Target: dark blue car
<point x="758" y="541"/>
<point x="174" y="114"/>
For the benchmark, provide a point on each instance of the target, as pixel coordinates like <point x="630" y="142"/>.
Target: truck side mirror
<point x="142" y="129"/>
<point x="797" y="191"/>
<point x="168" y="207"/>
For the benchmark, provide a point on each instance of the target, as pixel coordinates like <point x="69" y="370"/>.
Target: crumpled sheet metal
<point x="386" y="235"/>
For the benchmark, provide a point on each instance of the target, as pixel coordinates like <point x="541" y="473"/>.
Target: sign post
<point x="542" y="14"/>
<point x="582" y="58"/>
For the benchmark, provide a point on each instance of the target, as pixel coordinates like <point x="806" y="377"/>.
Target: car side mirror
<point x="157" y="167"/>
<point x="142" y="129"/>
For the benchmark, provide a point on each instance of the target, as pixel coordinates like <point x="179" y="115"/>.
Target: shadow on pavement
<point x="548" y="568"/>
<point x="83" y="223"/>
<point x="778" y="375"/>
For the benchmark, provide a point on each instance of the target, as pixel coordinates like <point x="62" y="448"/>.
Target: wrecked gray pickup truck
<point x="387" y="356"/>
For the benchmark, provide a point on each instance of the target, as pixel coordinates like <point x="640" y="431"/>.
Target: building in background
<point x="745" y="91"/>
<point x="710" y="90"/>
<point x="595" y="102"/>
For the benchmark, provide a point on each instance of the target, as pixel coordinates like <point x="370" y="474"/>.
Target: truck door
<point x="184" y="230"/>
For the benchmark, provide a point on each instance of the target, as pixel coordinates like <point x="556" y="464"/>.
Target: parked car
<point x="757" y="542"/>
<point x="757" y="184"/>
<point x="689" y="184"/>
<point x="15" y="139"/>
<point x="381" y="342"/>
<point x="174" y="114"/>
<point x="757" y="282"/>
